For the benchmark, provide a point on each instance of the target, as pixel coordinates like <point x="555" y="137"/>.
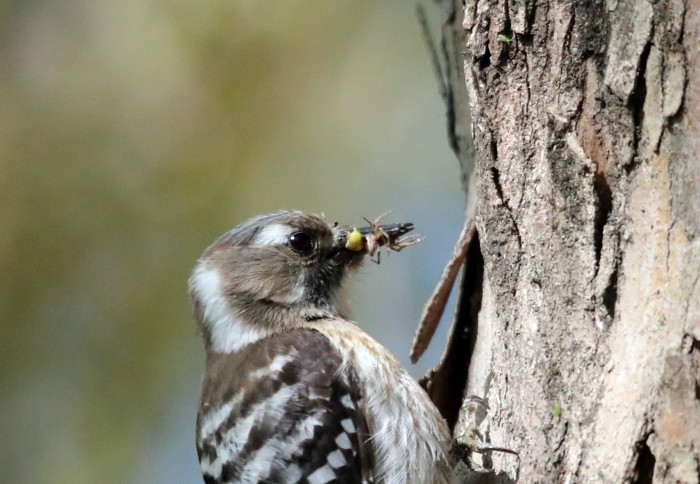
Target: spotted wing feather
<point x="282" y="410"/>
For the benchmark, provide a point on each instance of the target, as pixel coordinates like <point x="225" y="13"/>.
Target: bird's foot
<point x="468" y="439"/>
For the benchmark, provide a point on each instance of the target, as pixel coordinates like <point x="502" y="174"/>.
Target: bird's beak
<point x="353" y="243"/>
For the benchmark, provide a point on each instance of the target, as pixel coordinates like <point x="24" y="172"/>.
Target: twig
<point x="435" y="306"/>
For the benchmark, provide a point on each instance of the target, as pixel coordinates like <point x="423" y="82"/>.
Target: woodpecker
<point x="293" y="391"/>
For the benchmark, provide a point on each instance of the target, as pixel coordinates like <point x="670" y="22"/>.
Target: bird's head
<point x="271" y="271"/>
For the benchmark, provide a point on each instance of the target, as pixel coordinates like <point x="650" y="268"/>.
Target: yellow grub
<point x="355" y="241"/>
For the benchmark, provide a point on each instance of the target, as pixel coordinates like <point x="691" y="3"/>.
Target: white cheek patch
<point x="273" y="234"/>
<point x="228" y="332"/>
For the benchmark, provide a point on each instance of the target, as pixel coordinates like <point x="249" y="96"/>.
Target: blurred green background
<point x="132" y="133"/>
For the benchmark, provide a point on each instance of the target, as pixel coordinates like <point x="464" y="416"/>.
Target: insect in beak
<point x="368" y="240"/>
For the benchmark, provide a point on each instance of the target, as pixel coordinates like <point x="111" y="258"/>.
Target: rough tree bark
<point x="579" y="314"/>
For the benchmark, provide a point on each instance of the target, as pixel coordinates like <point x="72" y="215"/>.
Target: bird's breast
<point x="409" y="436"/>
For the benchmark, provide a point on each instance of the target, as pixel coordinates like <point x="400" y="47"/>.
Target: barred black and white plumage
<point x="292" y="391"/>
<point x="285" y="413"/>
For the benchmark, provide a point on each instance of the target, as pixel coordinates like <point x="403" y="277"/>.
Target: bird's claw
<point x="469" y="440"/>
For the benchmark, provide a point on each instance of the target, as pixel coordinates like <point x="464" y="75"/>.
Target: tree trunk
<point x="584" y="317"/>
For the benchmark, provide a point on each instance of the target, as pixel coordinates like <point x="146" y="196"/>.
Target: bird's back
<point x="280" y="410"/>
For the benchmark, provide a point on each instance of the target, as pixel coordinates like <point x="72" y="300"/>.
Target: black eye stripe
<point x="301" y="243"/>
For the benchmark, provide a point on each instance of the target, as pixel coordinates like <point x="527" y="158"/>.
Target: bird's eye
<point x="301" y="243"/>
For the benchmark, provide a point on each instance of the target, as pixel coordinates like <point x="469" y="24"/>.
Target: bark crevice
<point x="637" y="98"/>
<point x="603" y="209"/>
<point x="644" y="466"/>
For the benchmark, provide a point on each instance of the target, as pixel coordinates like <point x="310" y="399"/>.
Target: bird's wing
<point x="284" y="409"/>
